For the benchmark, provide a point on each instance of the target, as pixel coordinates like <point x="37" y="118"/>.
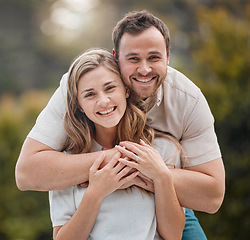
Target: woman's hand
<point x="109" y="178"/>
<point x="144" y="158"/>
<point x="140" y="181"/>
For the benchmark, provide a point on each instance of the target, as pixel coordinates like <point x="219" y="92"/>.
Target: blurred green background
<point x="210" y="42"/>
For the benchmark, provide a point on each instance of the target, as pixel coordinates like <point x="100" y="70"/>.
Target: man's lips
<point x="107" y="111"/>
<point x="144" y="79"/>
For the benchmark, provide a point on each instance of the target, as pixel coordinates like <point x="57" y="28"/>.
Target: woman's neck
<point x="106" y="137"/>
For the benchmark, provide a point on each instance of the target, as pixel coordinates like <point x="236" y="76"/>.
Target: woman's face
<point x="102" y="97"/>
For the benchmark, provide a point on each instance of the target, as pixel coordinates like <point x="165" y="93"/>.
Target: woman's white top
<point x="124" y="214"/>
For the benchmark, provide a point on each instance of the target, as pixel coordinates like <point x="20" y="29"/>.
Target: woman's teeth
<point x="107" y="111"/>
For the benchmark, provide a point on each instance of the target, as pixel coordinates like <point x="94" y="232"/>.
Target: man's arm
<point x="42" y="168"/>
<point x="201" y="187"/>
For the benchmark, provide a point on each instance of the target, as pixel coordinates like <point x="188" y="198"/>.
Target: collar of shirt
<point x="154" y="100"/>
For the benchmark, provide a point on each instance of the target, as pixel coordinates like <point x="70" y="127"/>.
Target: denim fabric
<point x="193" y="229"/>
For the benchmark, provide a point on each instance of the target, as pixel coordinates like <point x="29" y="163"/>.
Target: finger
<point x="139" y="146"/>
<point x="97" y="163"/>
<point x="119" y="167"/>
<point x="142" y="176"/>
<point x="129" y="178"/>
<point x="139" y="181"/>
<point x="124" y="172"/>
<point x="129" y="163"/>
<point x="85" y="184"/>
<point x="127" y="153"/>
<point x="143" y="143"/>
<point x="113" y="160"/>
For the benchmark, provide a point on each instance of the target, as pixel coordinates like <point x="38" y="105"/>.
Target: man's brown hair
<point x="136" y="22"/>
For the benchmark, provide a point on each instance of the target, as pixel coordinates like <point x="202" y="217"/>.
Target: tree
<point x="222" y="58"/>
<point x="23" y="215"/>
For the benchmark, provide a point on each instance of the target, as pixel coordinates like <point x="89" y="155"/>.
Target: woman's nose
<point x="103" y="99"/>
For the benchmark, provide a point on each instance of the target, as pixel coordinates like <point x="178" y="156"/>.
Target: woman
<point x="100" y="115"/>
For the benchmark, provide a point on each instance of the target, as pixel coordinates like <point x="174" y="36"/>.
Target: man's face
<point x="143" y="61"/>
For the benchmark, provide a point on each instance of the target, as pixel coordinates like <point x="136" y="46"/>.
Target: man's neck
<point x="150" y="102"/>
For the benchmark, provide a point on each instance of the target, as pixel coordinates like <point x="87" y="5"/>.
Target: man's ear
<point x="113" y="52"/>
<point x="168" y="56"/>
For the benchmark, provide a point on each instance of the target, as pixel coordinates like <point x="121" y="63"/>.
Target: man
<point x="174" y="104"/>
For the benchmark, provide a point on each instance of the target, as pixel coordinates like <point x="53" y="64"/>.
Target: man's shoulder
<point x="179" y="83"/>
<point x="64" y="79"/>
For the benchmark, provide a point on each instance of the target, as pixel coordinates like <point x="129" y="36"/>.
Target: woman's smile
<point x="107" y="112"/>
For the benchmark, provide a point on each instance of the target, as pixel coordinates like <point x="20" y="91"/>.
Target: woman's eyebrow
<point x="107" y="83"/>
<point x="86" y="90"/>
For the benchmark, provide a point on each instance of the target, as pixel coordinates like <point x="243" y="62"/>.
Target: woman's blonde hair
<point x="79" y="128"/>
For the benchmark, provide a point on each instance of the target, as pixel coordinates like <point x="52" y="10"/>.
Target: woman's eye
<point x="110" y="88"/>
<point x="89" y="95"/>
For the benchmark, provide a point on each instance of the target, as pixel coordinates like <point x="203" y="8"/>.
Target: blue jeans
<point x="192" y="229"/>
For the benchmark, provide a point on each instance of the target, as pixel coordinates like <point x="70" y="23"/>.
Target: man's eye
<point x="134" y="59"/>
<point x="154" y="58"/>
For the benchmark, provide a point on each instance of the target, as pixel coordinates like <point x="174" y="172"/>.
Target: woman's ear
<point x="127" y="92"/>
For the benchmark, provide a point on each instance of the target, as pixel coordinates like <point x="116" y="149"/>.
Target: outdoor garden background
<point x="210" y="43"/>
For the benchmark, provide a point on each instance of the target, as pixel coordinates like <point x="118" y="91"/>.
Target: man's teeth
<point x="144" y="80"/>
<point x="107" y="111"/>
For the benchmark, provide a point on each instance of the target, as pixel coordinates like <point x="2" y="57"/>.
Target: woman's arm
<point x="82" y="222"/>
<point x="42" y="168"/>
<point x="102" y="182"/>
<point x="169" y="214"/>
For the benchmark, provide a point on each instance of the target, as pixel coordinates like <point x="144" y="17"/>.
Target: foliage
<point x="23" y="215"/>
<point x="222" y="58"/>
<point x="210" y="44"/>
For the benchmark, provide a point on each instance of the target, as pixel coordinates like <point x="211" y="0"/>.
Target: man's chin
<point x="138" y="96"/>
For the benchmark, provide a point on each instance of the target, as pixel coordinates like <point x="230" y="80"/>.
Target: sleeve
<point x="62" y="206"/>
<point x="49" y="128"/>
<point x="199" y="140"/>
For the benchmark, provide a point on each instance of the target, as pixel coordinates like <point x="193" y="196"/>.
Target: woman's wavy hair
<point x="79" y="128"/>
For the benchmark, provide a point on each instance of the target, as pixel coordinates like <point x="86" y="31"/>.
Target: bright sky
<point x="68" y="18"/>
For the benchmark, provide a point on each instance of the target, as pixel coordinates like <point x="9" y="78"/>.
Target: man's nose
<point x="144" y="68"/>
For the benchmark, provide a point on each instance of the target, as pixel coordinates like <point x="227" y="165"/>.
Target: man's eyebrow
<point x="131" y="54"/>
<point x="155" y="52"/>
<point x="136" y="54"/>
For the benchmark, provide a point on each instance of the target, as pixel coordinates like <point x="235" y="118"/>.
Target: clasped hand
<point x="134" y="164"/>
